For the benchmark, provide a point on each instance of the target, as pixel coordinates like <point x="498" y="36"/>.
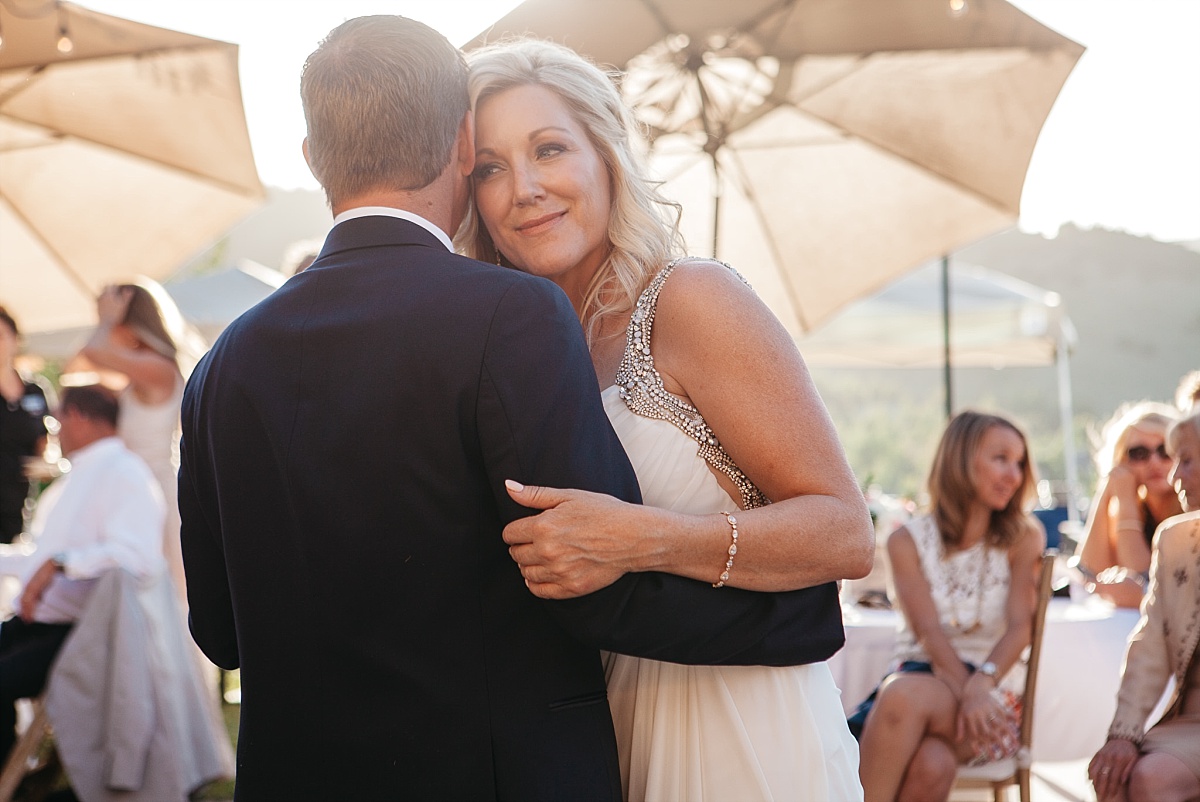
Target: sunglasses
<point x="1142" y="453"/>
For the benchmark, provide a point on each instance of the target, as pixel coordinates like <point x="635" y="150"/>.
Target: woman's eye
<point x="544" y="151"/>
<point x="484" y="171"/>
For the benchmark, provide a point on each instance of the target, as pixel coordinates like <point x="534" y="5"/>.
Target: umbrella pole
<point x="718" y="190"/>
<point x="1067" y="422"/>
<point x="946" y="377"/>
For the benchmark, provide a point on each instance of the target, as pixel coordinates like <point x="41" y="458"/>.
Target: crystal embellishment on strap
<point x="641" y="388"/>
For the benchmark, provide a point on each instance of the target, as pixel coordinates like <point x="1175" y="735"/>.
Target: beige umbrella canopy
<point x="835" y="143"/>
<point x="123" y="151"/>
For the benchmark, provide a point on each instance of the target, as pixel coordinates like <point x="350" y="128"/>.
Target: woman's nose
<point x="527" y="186"/>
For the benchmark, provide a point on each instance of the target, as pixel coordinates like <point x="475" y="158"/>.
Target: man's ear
<point x="466" y="144"/>
<point x="304" y="150"/>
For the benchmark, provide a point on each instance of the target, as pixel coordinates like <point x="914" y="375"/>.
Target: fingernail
<point x="516" y="487"/>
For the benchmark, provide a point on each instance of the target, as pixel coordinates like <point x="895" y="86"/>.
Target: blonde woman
<point x="139" y="338"/>
<point x="1134" y="495"/>
<point x="1162" y="763"/>
<point x="717" y="412"/>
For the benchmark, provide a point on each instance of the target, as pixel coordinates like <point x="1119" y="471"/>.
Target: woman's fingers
<point x="535" y="497"/>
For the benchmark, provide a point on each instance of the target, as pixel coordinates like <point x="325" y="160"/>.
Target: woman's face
<point x="1146" y="457"/>
<point x="125" y="336"/>
<point x="541" y="188"/>
<point x="1185" y="475"/>
<point x="998" y="467"/>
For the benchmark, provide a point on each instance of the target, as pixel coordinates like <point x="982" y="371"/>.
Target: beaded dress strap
<point x="641" y="388"/>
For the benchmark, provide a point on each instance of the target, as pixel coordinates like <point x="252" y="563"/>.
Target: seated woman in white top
<point x="965" y="576"/>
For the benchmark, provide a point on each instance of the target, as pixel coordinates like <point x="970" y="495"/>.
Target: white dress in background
<point x="711" y="732"/>
<point x="152" y="432"/>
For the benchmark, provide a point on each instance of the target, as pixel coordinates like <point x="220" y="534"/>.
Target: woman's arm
<point x="1095" y="547"/>
<point x="151" y="375"/>
<point x="1024" y="561"/>
<point x="979" y="719"/>
<point x="716" y="344"/>
<point x="917" y="605"/>
<point x="1147" y="665"/>
<point x="1126" y="521"/>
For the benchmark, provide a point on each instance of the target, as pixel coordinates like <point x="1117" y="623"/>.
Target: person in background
<point x="22" y="430"/>
<point x="1187" y="394"/>
<point x="1133" y="497"/>
<point x="965" y="576"/>
<point x="1162" y="764"/>
<point x="299" y="255"/>
<point x="106" y="512"/>
<point x="138" y="338"/>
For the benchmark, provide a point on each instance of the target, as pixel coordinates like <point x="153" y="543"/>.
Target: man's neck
<point x="429" y="203"/>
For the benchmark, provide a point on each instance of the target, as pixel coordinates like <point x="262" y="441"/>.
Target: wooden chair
<point x="999" y="775"/>
<point x="24" y="750"/>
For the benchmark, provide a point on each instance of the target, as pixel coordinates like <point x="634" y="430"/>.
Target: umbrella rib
<point x="76" y="279"/>
<point x="769" y="235"/>
<point x="656" y="12"/>
<point x="754" y="22"/>
<point x="25" y="83"/>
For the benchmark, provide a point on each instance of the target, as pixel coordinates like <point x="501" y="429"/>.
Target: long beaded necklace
<point x="975" y="592"/>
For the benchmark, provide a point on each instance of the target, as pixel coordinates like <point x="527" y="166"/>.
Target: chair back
<point x="1000" y="774"/>
<point x="1044" y="592"/>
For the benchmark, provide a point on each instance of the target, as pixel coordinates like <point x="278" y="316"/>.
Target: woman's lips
<point x="529" y="225"/>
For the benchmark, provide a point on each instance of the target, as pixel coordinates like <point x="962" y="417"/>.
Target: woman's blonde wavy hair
<point x="643" y="226"/>
<point x="1111" y="444"/>
<point x="951" y="481"/>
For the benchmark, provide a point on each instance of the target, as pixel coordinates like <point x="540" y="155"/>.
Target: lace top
<point x="970" y="591"/>
<point x="641" y="388"/>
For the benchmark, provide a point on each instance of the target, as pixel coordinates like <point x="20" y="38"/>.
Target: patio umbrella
<point x="123" y="151"/>
<point x="997" y="322"/>
<point x="825" y="146"/>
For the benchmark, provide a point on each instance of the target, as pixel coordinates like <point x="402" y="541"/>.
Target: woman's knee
<point x="931" y="773"/>
<point x="1161" y="778"/>
<point x="911" y="698"/>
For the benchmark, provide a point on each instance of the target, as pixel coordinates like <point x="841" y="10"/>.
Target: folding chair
<point x="999" y="775"/>
<point x="19" y="761"/>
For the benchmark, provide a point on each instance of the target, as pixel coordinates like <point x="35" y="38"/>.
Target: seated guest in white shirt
<point x="106" y="512"/>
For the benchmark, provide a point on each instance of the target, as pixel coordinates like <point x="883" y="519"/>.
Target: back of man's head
<point x="383" y="99"/>
<point x="94" y="402"/>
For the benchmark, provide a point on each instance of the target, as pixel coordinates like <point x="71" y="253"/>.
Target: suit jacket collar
<point x="376" y="231"/>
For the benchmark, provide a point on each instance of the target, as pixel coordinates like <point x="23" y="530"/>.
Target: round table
<point x="1082" y="651"/>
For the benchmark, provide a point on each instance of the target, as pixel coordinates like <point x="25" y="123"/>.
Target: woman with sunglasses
<point x="1133" y="497"/>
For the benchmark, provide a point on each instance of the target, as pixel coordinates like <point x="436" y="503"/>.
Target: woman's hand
<point x="983" y="722"/>
<point x="580" y="543"/>
<point x="113" y="304"/>
<point x="1111" y="767"/>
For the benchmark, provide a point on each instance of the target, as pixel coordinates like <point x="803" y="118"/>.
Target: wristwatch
<point x="989" y="670"/>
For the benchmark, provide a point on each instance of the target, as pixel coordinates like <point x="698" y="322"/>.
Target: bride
<point x="717" y="412"/>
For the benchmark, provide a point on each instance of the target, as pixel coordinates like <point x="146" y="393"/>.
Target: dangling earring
<point x="499" y="258"/>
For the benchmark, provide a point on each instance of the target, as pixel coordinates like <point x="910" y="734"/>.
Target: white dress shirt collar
<point x="388" y="211"/>
<point x="91" y="451"/>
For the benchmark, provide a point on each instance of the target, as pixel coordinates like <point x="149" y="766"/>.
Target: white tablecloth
<point x="1082" y="651"/>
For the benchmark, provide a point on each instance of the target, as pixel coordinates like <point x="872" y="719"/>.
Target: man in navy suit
<point x="342" y="490"/>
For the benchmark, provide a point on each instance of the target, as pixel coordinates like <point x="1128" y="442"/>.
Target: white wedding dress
<point x="152" y="432"/>
<point x="712" y="733"/>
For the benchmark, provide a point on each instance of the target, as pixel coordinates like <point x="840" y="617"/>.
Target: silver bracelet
<point x="732" y="551"/>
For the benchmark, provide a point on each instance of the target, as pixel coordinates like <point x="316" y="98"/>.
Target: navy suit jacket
<point x="344" y="451"/>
